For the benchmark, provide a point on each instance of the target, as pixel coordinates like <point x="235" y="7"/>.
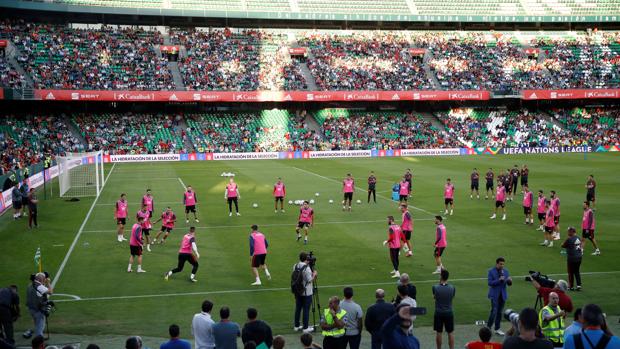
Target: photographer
<point x="560" y="288"/>
<point x="37" y="301"/>
<point x="528" y="324"/>
<point x="395" y="331"/>
<point x="9" y="312"/>
<point x="301" y="285"/>
<point x="552" y="321"/>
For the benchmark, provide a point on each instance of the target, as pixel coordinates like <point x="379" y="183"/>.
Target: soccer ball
<point x="290" y="202"/>
<point x="311" y="202"/>
<point x="255" y="205"/>
<point x="316" y="194"/>
<point x="331" y="201"/>
<point x="359" y="201"/>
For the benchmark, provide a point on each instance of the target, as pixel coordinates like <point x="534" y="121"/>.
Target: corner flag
<point x="38" y="260"/>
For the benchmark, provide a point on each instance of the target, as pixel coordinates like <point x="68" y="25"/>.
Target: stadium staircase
<point x="187" y="141"/>
<point x="542" y="55"/>
<point x="11" y="53"/>
<point x="428" y="56"/>
<point x="75" y="131"/>
<point x="305" y="71"/>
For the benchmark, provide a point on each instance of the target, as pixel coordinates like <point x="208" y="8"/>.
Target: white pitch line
<point x="157" y="202"/>
<point x="77" y="236"/>
<point x="141" y="179"/>
<point x="183" y="184"/>
<point x="360" y="189"/>
<point x="288" y="288"/>
<point x="275" y="225"/>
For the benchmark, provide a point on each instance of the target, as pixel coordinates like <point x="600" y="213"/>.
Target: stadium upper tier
<point x="397" y="10"/>
<point x="95" y="57"/>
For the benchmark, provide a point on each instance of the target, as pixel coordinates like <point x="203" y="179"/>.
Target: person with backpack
<point x="301" y="286"/>
<point x="594" y="334"/>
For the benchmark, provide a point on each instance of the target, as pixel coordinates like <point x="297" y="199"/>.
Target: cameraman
<point x="9" y="312"/>
<point x="560" y="288"/>
<point x="304" y="300"/>
<point x="37" y="298"/>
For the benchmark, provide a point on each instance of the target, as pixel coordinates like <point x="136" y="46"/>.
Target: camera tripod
<point x="315" y="302"/>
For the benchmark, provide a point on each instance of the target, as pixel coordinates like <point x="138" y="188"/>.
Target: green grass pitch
<point x="348" y="245"/>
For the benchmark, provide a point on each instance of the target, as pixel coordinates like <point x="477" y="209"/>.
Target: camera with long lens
<point x="512" y="317"/>
<point x="311" y="259"/>
<point x="48" y="307"/>
<point x="542" y="279"/>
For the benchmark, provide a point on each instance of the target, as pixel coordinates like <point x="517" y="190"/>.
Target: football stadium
<point x="309" y="174"/>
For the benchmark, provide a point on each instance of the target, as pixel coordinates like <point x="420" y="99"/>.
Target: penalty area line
<point x="80" y="231"/>
<point x="360" y="189"/>
<point x="181" y="181"/>
<point x="288" y="288"/>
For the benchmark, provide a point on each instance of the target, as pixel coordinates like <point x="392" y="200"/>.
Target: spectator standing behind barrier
<point x="444" y="316"/>
<point x="395" y="331"/>
<point x="306" y="341"/>
<point x="498" y="278"/>
<point x="411" y="289"/>
<point x="574" y="253"/>
<point x="175" y="342"/>
<point x="226" y="332"/>
<point x="37" y="294"/>
<point x="485" y="335"/>
<point x="551" y="320"/>
<point x="32" y="208"/>
<point x="202" y="327"/>
<point x="528" y="324"/>
<point x="9" y="312"/>
<point x="594" y="331"/>
<point x="576" y="326"/>
<point x="352" y="319"/>
<point x="376" y="315"/>
<point x="257" y="331"/>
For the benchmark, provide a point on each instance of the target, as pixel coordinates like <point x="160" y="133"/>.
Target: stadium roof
<point x="528" y="11"/>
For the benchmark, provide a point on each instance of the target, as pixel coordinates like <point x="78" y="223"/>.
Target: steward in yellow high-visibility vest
<point x="332" y="324"/>
<point x="551" y="320"/>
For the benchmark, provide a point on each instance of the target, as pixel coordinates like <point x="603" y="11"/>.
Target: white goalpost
<point x="81" y="174"/>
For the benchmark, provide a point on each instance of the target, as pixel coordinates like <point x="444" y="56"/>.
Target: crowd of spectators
<point x="25" y="140"/>
<point x="238" y="61"/>
<point x="591" y="126"/>
<point x="382" y="130"/>
<point x="520" y="128"/>
<point x="364" y="61"/>
<point x="9" y="77"/>
<point x="131" y="133"/>
<point x="104" y="58"/>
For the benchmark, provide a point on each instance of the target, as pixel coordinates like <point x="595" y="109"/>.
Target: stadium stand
<point x="592" y="126"/>
<point x="364" y="61"/>
<point x="131" y="133"/>
<point x="106" y="58"/>
<point x="9" y="77"/>
<point x="244" y="61"/>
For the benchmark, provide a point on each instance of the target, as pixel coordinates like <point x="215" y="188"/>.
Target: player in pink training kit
<point x="587" y="227"/>
<point x="146" y="225"/>
<point x="190" y="200"/>
<point x="407" y="227"/>
<point x="540" y="210"/>
<point x="279" y="192"/>
<point x="403" y="191"/>
<point x="528" y="202"/>
<point x="147" y="200"/>
<point x="448" y="195"/>
<point x="549" y="224"/>
<point x="500" y="200"/>
<point x="258" y="254"/>
<point x="120" y="214"/>
<point x="168" y="218"/>
<point x="187" y="253"/>
<point x="306" y="219"/>
<point x="135" y="245"/>
<point x="395" y="237"/>
<point x="441" y="242"/>
<point x="348" y="186"/>
<point x="555" y="203"/>
<point x="231" y="194"/>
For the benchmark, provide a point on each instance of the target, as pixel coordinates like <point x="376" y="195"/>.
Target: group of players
<point x="399" y="235"/>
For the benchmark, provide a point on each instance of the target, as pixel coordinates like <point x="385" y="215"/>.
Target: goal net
<point x="80" y="174"/>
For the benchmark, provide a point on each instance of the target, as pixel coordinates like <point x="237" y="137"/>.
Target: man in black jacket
<point x="256" y="330"/>
<point x="376" y="316"/>
<point x="9" y="312"/>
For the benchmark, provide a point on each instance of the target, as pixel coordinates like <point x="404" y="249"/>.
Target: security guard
<point x="332" y="324"/>
<point x="551" y="320"/>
